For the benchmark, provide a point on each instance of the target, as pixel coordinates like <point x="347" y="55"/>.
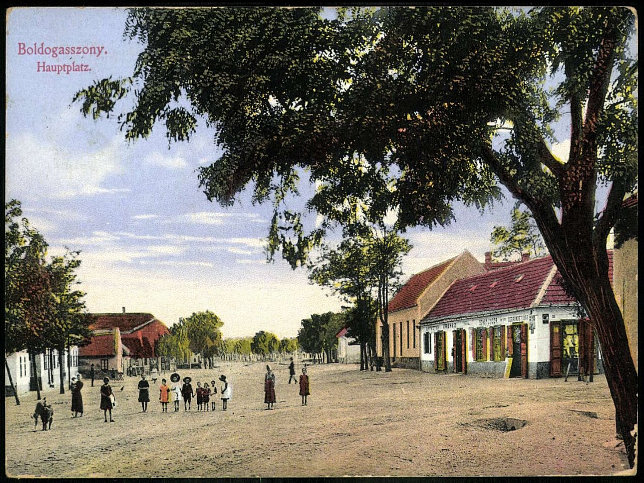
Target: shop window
<point x="47" y="359"/>
<point x="104" y="364"/>
<point x="480" y="339"/>
<point x="498" y="348"/>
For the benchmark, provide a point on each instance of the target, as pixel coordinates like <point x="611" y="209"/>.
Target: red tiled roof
<point x="408" y="294"/>
<point x="341" y="332"/>
<point x="517" y="286"/>
<point x="630" y="202"/>
<point x="125" y="322"/>
<point x="555" y="293"/>
<point x="100" y="345"/>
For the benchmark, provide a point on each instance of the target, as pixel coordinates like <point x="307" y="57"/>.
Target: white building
<point x="348" y="353"/>
<point x="514" y="321"/>
<point x="23" y="371"/>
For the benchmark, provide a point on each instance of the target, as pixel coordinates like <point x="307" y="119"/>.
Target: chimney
<point x="525" y="257"/>
<point x="123" y="309"/>
<point x="488" y="260"/>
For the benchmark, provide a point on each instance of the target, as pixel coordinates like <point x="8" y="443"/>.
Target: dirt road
<point x="403" y="423"/>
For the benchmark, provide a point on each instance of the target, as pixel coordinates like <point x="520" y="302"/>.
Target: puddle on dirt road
<point x="498" y="424"/>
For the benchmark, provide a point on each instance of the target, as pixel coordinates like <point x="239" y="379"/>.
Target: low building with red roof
<point x="512" y="321"/>
<point x="348" y="348"/>
<point x="121" y="341"/>
<point x="414" y="300"/>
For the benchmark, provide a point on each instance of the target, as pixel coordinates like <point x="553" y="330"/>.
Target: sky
<point x="150" y="241"/>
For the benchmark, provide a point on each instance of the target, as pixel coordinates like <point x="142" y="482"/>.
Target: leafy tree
<point x="288" y="345"/>
<point x="203" y="332"/>
<point x="317" y="333"/>
<point x="68" y="323"/>
<point x="521" y="237"/>
<point x="453" y="98"/>
<point x="265" y="343"/>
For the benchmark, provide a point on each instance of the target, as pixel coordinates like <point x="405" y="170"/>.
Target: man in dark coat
<point x="46" y="414"/>
<point x="291" y="370"/>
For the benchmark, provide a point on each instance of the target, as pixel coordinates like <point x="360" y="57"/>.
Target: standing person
<point x="291" y="371"/>
<point x="269" y="388"/>
<point x="304" y="386"/>
<point x="226" y="392"/>
<point x="91" y="373"/>
<point x="77" y="397"/>
<point x="187" y="393"/>
<point x="206" y="397"/>
<point x="144" y="393"/>
<point x="199" y="392"/>
<point x="164" y="396"/>
<point x="176" y="390"/>
<point x="106" y="399"/>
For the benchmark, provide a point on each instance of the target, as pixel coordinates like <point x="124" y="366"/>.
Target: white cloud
<point x="170" y="162"/>
<point x="214" y="218"/>
<point x="145" y="217"/>
<point x="238" y="251"/>
<point x="37" y="168"/>
<point x="248" y="261"/>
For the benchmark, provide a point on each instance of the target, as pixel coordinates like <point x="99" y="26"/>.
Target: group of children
<point x="186" y="393"/>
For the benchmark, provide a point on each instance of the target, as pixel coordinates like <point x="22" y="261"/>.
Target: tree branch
<point x="548" y="160"/>
<point x="609" y="215"/>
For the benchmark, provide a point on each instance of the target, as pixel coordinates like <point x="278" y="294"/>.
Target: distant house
<point x="122" y="341"/>
<point x="23" y="370"/>
<point x="348" y="350"/>
<point x="414" y="300"/>
<point x="514" y="321"/>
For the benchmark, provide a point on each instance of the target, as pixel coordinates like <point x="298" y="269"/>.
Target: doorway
<point x="440" y="350"/>
<point x="519" y="366"/>
<point x="459" y="351"/>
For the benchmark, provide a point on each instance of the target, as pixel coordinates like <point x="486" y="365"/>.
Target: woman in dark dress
<point x="77" y="397"/>
<point x="269" y="388"/>
<point x="106" y="401"/>
<point x="304" y="386"/>
<point x="144" y="393"/>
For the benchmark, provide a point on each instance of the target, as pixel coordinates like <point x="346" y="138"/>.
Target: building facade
<point x="122" y="343"/>
<point x="348" y="352"/>
<point x="414" y="300"/>
<point x="44" y="369"/>
<point x="510" y="322"/>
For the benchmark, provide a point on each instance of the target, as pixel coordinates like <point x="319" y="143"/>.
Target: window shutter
<point x="491" y="353"/>
<point x="510" y="341"/>
<point x="484" y="343"/>
<point x="502" y="342"/>
<point x="473" y="344"/>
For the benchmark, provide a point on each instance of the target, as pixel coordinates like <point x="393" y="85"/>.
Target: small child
<point x="206" y="396"/>
<point x="199" y="392"/>
<point x="226" y="392"/>
<point x="164" y="396"/>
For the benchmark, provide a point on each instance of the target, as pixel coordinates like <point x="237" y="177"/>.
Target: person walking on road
<point x="291" y="370"/>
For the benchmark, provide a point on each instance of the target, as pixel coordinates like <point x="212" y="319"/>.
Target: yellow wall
<point x="625" y="287"/>
<point x="465" y="265"/>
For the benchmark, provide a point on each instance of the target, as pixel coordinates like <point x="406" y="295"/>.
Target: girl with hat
<point x="106" y="399"/>
<point x="226" y="392"/>
<point x="176" y="390"/>
<point x="269" y="388"/>
<point x="187" y="393"/>
<point x="144" y="393"/>
<point x="199" y="392"/>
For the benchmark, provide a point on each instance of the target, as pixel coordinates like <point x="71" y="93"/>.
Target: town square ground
<point x="402" y="423"/>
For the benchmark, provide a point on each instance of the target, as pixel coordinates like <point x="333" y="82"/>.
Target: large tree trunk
<point x="32" y="361"/>
<point x="61" y="365"/>
<point x="385" y="346"/>
<point x="13" y="388"/>
<point x="587" y="273"/>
